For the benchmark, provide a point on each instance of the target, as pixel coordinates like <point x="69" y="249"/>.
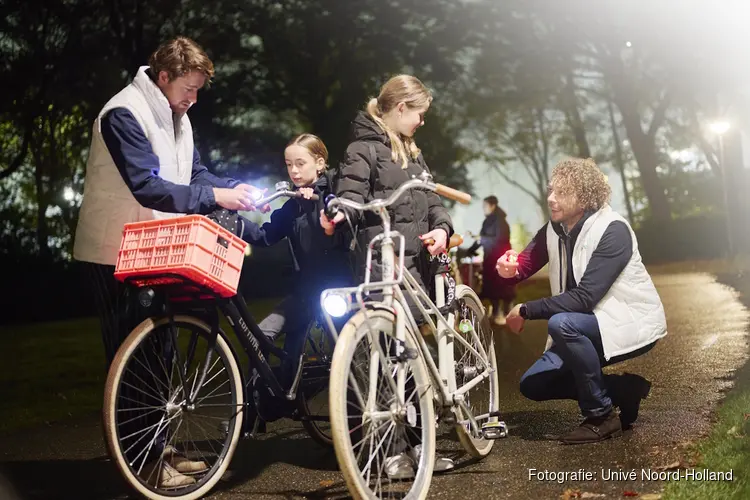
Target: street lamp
<point x="720" y="128"/>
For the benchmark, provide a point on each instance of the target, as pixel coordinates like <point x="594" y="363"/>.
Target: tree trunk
<point x="573" y="115"/>
<point x="644" y="150"/>
<point x="642" y="143"/>
<point x="620" y="162"/>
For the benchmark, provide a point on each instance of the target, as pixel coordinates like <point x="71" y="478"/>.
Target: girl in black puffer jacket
<point x="320" y="261"/>
<point x="381" y="157"/>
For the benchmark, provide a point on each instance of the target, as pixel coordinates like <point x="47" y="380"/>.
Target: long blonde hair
<point x="401" y="88"/>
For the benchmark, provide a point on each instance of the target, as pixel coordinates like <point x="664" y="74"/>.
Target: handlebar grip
<point x="453" y="194"/>
<point x="330" y="212"/>
<point x="314" y="197"/>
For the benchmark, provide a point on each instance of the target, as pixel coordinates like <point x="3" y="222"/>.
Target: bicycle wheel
<point x="164" y="447"/>
<point x="483" y="398"/>
<point x="370" y="428"/>
<point x="313" y="393"/>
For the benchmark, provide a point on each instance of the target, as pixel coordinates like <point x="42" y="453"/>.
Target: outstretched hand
<point x="507" y="264"/>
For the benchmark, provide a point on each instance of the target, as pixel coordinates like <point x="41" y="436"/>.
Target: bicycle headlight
<point x="336" y="304"/>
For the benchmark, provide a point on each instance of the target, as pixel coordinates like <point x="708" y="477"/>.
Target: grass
<point x="726" y="448"/>
<point x="728" y="445"/>
<point x="56" y="370"/>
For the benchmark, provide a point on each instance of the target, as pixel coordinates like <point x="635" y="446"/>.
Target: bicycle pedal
<point x="494" y="430"/>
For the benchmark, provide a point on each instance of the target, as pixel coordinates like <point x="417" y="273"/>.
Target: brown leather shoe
<point x="594" y="429"/>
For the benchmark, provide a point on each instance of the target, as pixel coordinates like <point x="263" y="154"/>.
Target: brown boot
<point x="594" y="429"/>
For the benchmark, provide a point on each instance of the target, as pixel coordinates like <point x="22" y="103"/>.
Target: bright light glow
<point x="69" y="194"/>
<point x="628" y="44"/>
<point x="719" y="127"/>
<point x="257" y="194"/>
<point x="336" y="305"/>
<point x="684" y="155"/>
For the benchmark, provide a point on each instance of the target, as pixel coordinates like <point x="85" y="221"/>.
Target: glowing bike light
<point x="256" y="195"/>
<point x="335" y="304"/>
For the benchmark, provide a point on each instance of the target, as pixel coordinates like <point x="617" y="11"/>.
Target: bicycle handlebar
<point x="453" y="194"/>
<point x="424" y="183"/>
<point x="282" y="189"/>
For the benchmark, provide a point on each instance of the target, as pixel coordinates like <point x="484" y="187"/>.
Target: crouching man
<point x="604" y="307"/>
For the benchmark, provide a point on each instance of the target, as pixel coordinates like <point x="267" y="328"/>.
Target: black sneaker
<point x="594" y="429"/>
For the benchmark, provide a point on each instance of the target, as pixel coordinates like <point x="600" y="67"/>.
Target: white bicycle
<point x="385" y="384"/>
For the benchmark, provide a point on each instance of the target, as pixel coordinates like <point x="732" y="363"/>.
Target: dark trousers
<point x="572" y="368"/>
<point x="146" y="378"/>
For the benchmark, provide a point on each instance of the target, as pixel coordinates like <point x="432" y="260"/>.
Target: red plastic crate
<point x="191" y="246"/>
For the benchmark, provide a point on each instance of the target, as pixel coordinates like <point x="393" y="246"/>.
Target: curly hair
<point x="582" y="179"/>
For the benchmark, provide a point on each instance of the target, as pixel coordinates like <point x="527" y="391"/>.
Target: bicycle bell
<point x="282" y="186"/>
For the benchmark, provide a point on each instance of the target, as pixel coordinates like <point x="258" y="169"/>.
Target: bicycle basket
<point x="191" y="246"/>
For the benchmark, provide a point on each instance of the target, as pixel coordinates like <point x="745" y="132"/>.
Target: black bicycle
<point x="177" y="400"/>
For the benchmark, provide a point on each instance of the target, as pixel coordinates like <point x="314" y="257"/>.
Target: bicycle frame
<point x="395" y="276"/>
<point x="184" y="295"/>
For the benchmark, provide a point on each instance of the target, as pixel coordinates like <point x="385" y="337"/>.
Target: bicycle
<point x="385" y="335"/>
<point x="175" y="391"/>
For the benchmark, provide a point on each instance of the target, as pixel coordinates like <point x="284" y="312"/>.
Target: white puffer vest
<point x="108" y="203"/>
<point x="631" y="314"/>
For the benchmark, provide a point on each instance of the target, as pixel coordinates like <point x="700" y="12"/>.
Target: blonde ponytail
<point x="401" y="88"/>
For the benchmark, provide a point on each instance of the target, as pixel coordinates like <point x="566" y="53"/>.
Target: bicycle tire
<point x="114" y="377"/>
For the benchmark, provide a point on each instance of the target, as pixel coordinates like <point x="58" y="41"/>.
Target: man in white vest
<point x="143" y="165"/>
<point x="604" y="307"/>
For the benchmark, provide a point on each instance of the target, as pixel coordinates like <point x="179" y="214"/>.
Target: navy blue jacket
<point x="321" y="261"/>
<point x="139" y="167"/>
<point x="608" y="260"/>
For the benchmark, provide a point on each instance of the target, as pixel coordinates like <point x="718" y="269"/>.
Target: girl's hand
<point x="328" y="225"/>
<point x="440" y="241"/>
<point x="306" y="192"/>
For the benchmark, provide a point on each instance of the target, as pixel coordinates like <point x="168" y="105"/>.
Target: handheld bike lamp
<point x="256" y="195"/>
<point x="336" y="304"/>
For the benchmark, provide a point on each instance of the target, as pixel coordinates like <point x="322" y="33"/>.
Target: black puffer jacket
<point x="416" y="213"/>
<point x="320" y="261"/>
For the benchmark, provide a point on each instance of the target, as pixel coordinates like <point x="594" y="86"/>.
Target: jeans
<point x="572" y="368"/>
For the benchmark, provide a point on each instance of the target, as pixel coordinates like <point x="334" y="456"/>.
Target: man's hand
<point x="306" y="193"/>
<point x="329" y="225"/>
<point x="440" y="237"/>
<point x="514" y="321"/>
<point x="507" y="264"/>
<point x="255" y="194"/>
<point x="233" y="199"/>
